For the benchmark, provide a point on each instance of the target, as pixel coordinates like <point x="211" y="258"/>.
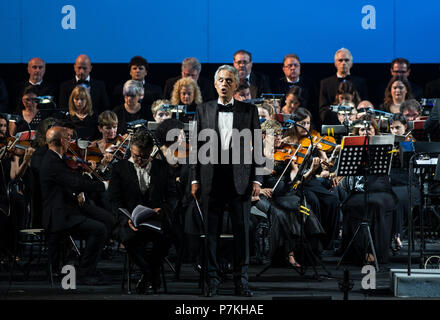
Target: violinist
<point x="65" y="214"/>
<point x="134" y="181"/>
<point x="12" y="206"/>
<point x="280" y="201"/>
<point x="324" y="203"/>
<point x="399" y="183"/>
<point x="81" y="113"/>
<point x="108" y="127"/>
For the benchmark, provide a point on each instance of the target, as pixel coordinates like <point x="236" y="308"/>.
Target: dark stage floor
<point x="277" y="283"/>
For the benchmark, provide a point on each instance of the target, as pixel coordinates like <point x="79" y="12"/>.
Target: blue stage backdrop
<point x="166" y="31"/>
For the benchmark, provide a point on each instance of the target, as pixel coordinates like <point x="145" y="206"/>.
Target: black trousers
<point x="223" y="197"/>
<point x="94" y="230"/>
<point x="149" y="261"/>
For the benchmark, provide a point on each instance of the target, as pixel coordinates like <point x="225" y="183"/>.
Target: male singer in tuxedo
<point x="82" y="68"/>
<point x="227" y="183"/>
<point x="329" y="86"/>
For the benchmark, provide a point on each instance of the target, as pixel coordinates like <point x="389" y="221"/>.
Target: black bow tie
<point x="83" y="82"/>
<point x="225" y="108"/>
<point x="347" y="78"/>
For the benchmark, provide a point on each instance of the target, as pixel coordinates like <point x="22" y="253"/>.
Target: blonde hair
<point x="107" y="118"/>
<point x="80" y="91"/>
<point x="157" y="104"/>
<point x="185" y="82"/>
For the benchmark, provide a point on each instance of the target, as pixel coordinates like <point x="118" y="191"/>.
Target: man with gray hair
<point x="191" y="68"/>
<point x="223" y="184"/>
<point x="82" y="68"/>
<point x="329" y="86"/>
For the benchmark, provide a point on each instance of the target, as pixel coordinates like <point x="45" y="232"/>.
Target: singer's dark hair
<point x="373" y="123"/>
<point x="142" y="139"/>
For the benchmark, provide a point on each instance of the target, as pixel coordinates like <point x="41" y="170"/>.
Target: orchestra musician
<point x="380" y="206"/>
<point x="65" y="212"/>
<point x="324" y="203"/>
<point x="400" y="182"/>
<point x="280" y="201"/>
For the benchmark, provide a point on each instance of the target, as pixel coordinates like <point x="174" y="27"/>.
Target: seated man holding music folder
<point x="139" y="181"/>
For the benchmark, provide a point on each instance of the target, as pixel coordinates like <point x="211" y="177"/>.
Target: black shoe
<point x="212" y="290"/>
<point x="243" y="290"/>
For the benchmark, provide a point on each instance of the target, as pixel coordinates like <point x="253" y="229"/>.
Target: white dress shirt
<point x="225" y="122"/>
<point x="143" y="175"/>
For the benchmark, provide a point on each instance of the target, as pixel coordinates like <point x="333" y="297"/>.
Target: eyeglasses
<point x="289" y="66"/>
<point x="399" y="71"/>
<point x="241" y="62"/>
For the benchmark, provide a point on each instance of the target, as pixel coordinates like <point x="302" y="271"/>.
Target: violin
<point x="323" y="143"/>
<point x="16" y="146"/>
<point x="118" y="147"/>
<point x="287" y="151"/>
<point x="89" y="153"/>
<point x="75" y="161"/>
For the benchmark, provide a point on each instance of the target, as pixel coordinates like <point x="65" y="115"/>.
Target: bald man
<point x="65" y="214"/>
<point x="36" y="69"/>
<point x="82" y="68"/>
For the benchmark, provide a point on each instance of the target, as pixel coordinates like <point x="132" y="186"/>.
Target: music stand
<point x="364" y="156"/>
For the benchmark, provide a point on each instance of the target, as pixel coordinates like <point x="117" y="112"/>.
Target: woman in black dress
<point x="81" y="114"/>
<point x="187" y="92"/>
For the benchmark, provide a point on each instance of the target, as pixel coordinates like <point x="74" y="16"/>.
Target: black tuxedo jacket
<point x="327" y="95"/>
<point x="259" y="83"/>
<point x="309" y="90"/>
<point x="60" y="207"/>
<point x="206" y="88"/>
<point x="432" y="89"/>
<point x="124" y="192"/>
<point x="245" y="117"/>
<point x="98" y="93"/>
<point x="152" y="93"/>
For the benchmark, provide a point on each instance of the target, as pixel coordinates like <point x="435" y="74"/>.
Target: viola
<point x="15" y="146"/>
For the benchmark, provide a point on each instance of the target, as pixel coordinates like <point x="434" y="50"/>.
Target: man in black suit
<point x="134" y="181"/>
<point x="259" y="83"/>
<point x="329" y="86"/>
<point x="292" y="77"/>
<point x="64" y="210"/>
<point x="36" y="69"/>
<point x="191" y="68"/>
<point x="82" y="68"/>
<point x="138" y="68"/>
<point x="224" y="182"/>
